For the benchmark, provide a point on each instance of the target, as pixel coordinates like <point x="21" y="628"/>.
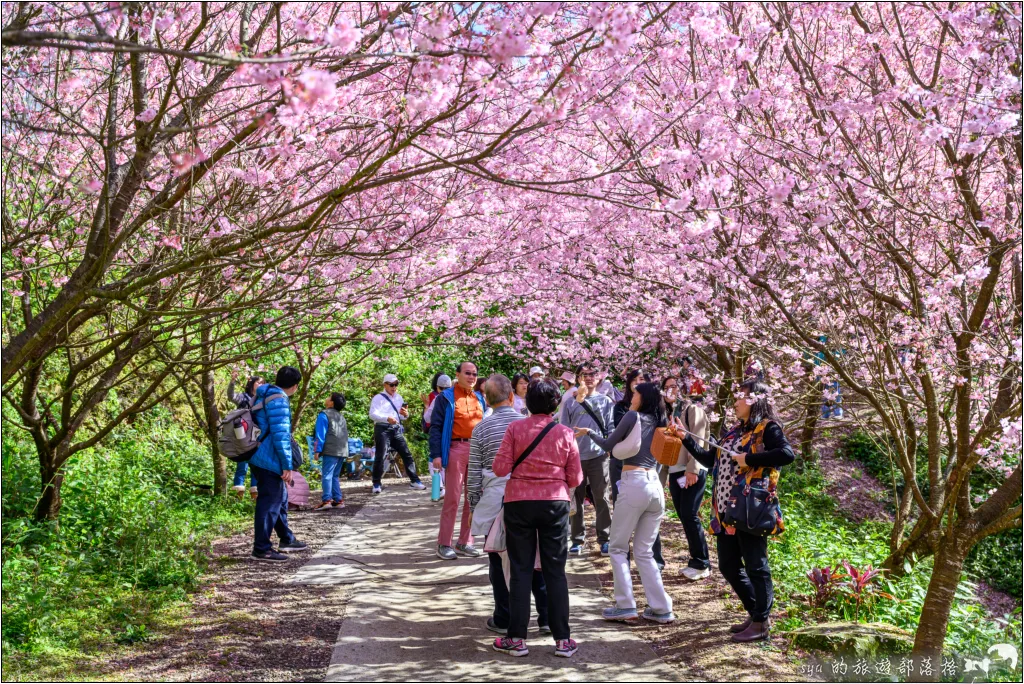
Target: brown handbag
<point x="665" y="446"/>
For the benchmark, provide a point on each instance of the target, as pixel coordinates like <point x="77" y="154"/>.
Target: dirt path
<point x="247" y="624"/>
<point x="699" y="639"/>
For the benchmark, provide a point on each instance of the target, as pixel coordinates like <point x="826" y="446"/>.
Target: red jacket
<point x="549" y="472"/>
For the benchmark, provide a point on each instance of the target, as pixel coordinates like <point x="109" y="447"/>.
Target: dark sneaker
<point x="514" y="647"/>
<point x="271" y="555"/>
<point x="294" y="545"/>
<point x="493" y="626"/>
<point x="566" y="648"/>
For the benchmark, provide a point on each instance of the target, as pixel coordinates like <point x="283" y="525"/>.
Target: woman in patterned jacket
<point x="755" y="447"/>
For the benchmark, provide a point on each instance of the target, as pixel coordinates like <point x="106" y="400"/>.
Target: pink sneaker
<point x="514" y="647"/>
<point x="566" y="648"/>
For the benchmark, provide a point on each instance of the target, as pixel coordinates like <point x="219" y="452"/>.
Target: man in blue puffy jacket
<point x="272" y="465"/>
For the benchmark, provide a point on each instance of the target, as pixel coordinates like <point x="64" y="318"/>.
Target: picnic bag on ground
<point x="494" y="542"/>
<point x="665" y="446"/>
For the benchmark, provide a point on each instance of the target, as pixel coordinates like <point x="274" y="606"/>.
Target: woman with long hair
<point x="752" y="449"/>
<point x="638" y="511"/>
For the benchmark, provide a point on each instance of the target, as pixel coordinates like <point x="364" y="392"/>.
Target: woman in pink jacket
<point x="543" y="462"/>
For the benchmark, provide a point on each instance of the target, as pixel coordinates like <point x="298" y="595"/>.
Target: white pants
<point x="638" y="512"/>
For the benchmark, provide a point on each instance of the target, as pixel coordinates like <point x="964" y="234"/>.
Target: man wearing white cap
<point x="387" y="411"/>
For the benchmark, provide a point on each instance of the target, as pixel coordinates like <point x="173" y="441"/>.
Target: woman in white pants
<point x="638" y="510"/>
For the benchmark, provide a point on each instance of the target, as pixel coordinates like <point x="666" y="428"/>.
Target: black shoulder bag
<point x="595" y="416"/>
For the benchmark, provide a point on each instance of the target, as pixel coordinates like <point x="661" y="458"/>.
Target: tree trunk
<point x="211" y="417"/>
<point x="931" y="630"/>
<point x="48" y="506"/>
<point x="812" y="411"/>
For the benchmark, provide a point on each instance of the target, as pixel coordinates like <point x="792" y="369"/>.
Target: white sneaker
<point x="377" y="489"/>
<point x="239" y="488"/>
<point x="695" y="574"/>
<point x="417" y="485"/>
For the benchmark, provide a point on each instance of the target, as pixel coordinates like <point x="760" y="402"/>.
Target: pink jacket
<point x="549" y="472"/>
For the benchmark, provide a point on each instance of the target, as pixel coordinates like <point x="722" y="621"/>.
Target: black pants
<point x="743" y="560"/>
<point x="271" y="509"/>
<point x="500" y="591"/>
<point x="614" y="475"/>
<point x="527" y="525"/>
<point x="384" y="434"/>
<point x="687" y="504"/>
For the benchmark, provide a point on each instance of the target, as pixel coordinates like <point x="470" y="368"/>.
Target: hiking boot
<point x="293" y="545"/>
<point x="694" y="574"/>
<point x="514" y="647"/>
<point x="736" y="629"/>
<point x="493" y="626"/>
<point x="757" y="631"/>
<point x="616" y="614"/>
<point x="604" y="548"/>
<point x="417" y="485"/>
<point x="566" y="648"/>
<point x="445" y="552"/>
<point x="660" y="618"/>
<point x="339" y="504"/>
<point x="322" y="505"/>
<point x="468" y="550"/>
<point x="377" y="489"/>
<point x="270" y="556"/>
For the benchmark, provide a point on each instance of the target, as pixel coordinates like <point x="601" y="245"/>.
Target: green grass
<point x="131" y="543"/>
<point x="818" y="535"/>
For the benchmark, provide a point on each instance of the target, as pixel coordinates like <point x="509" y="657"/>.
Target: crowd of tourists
<point x="520" y="459"/>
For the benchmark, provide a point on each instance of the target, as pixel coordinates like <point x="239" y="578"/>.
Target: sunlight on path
<point x="412" y="616"/>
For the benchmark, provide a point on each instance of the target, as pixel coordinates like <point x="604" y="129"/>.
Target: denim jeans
<point x="240" y="469"/>
<point x="834" y="408"/>
<point x="614" y="475"/>
<point x="638" y="513"/>
<point x="330" y="471"/>
<point x="271" y="509"/>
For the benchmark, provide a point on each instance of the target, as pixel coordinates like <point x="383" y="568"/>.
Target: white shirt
<point x="381" y="409"/>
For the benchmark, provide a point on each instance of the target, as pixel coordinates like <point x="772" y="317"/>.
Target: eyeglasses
<point x="471" y="374"/>
<point x="391" y="384"/>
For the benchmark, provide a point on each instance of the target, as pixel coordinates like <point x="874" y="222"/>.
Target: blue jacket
<point x="275" y="423"/>
<point x="441" y="421"/>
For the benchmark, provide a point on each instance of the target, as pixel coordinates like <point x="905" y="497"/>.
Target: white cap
<point x="535" y="370"/>
<point x="444" y="382"/>
<point x="390" y="377"/>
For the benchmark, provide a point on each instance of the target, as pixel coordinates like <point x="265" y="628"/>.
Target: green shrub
<point x="817" y="536"/>
<point x="131" y="539"/>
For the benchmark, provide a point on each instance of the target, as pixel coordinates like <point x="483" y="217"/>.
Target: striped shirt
<point x="483" y="447"/>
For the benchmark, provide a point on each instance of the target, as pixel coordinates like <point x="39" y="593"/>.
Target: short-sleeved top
<point x="468" y="413"/>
